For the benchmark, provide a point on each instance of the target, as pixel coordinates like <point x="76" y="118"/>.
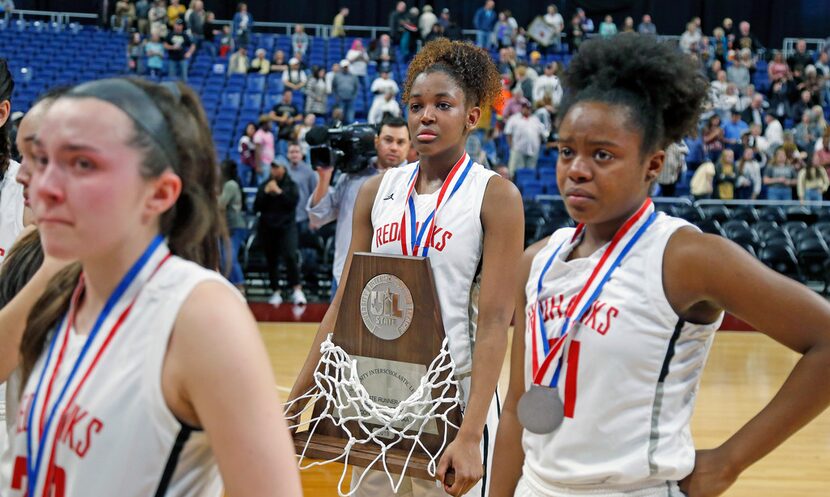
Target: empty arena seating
<point x="791" y="240"/>
<point x="41" y="57"/>
<point x="539" y="181"/>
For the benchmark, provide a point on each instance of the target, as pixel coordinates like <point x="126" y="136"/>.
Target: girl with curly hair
<point x="472" y="242"/>
<point x="604" y="370"/>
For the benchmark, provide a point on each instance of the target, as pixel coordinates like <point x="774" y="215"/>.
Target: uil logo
<point x="386" y="306"/>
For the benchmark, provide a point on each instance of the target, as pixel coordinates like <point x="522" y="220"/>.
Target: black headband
<point x="136" y="103"/>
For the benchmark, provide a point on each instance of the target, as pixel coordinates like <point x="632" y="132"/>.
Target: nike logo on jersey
<point x="390" y="197"/>
<point x="391" y="233"/>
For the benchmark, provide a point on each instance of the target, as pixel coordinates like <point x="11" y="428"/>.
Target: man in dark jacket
<point x="754" y="113"/>
<point x="276" y="204"/>
<point x="451" y="29"/>
<point x="484" y="21"/>
<point x="395" y="18"/>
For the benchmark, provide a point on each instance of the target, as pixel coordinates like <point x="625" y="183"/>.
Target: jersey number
<point x="57" y="486"/>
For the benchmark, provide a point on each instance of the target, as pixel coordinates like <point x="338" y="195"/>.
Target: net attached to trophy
<point x="348" y="404"/>
<point x="385" y="394"/>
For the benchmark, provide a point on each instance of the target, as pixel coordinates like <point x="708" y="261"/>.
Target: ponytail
<point x="44" y="316"/>
<point x="192" y="226"/>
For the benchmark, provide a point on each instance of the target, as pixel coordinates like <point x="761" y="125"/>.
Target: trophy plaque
<point x="390" y="323"/>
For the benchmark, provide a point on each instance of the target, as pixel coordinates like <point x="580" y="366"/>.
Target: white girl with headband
<point x="144" y="374"/>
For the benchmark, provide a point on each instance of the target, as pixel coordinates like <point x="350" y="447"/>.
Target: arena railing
<point x="656" y="200"/>
<point x="53" y="16"/>
<point x="813" y="44"/>
<point x="762" y="203"/>
<point x="324" y="30"/>
<point x="319" y="30"/>
<point x="672" y="38"/>
<point x="729" y="203"/>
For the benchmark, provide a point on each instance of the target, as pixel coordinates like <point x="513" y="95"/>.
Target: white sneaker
<point x="297" y="311"/>
<point x="298" y="297"/>
<point x="275" y="299"/>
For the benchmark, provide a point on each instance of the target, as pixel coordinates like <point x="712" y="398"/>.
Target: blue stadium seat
<point x="231" y="100"/>
<point x="224" y="126"/>
<point x="546" y="161"/>
<point x="267" y="42"/>
<point x="299" y="99"/>
<point x="272" y="99"/>
<point x="222" y="137"/>
<point x="275" y="84"/>
<point x="524" y="175"/>
<point x="235" y="84"/>
<point x="548" y="177"/>
<point x="256" y="83"/>
<point x="252" y="102"/>
<point x="249" y="117"/>
<point x="531" y="190"/>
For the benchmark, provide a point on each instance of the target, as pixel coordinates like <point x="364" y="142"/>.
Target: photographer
<point x="329" y="203"/>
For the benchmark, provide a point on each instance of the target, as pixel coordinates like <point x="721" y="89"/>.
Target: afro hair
<point x="663" y="89"/>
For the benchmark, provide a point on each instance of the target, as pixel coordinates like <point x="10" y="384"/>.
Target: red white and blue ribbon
<point x="547" y="352"/>
<point x="47" y="415"/>
<point x="412" y="236"/>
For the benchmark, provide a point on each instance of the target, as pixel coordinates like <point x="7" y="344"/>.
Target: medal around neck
<point x="540" y="410"/>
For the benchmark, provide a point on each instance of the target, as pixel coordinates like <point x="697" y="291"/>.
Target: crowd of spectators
<point x="752" y="143"/>
<point x="766" y="142"/>
<point x="409" y="27"/>
<point x="786" y="112"/>
<point x="763" y="134"/>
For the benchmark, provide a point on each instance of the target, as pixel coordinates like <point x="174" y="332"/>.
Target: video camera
<point x="347" y="148"/>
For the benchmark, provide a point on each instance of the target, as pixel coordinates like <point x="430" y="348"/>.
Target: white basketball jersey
<point x="455" y="249"/>
<point x="117" y="437"/>
<point x="11" y="224"/>
<point x="454" y="253"/>
<point x="632" y="372"/>
<point x="11" y="209"/>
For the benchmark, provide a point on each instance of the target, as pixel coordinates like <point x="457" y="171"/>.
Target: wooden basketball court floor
<point x="743" y="373"/>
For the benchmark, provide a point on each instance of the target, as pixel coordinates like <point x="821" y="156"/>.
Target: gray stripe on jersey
<point x="655" y="432"/>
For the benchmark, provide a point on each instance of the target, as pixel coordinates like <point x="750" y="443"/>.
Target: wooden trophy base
<point x="390" y="322"/>
<point x="325" y="447"/>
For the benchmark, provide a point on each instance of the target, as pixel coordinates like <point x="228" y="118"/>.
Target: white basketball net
<point x="345" y="399"/>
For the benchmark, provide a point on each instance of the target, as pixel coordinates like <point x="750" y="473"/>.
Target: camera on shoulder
<point x="346" y="148"/>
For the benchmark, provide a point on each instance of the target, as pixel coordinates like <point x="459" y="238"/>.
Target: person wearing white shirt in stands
<point x="294" y="78"/>
<point x="335" y="68"/>
<point x="427" y="21"/>
<point x="387" y="105"/>
<point x="690" y="38"/>
<point x="554" y="19"/>
<point x="774" y="132"/>
<point x="525" y="133"/>
<point x="383" y="84"/>
<point x="548" y="84"/>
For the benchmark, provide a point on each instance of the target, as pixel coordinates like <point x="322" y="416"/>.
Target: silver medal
<point x="540" y="411"/>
